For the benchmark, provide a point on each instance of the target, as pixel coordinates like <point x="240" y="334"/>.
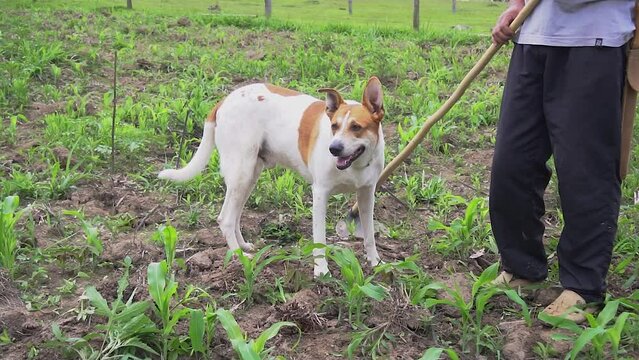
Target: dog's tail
<point x="201" y="157"/>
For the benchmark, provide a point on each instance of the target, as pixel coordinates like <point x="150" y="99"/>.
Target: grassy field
<point x="101" y="259"/>
<point x="479" y="15"/>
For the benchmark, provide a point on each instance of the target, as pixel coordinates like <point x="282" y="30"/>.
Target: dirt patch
<point x="117" y="197"/>
<point x="303" y="310"/>
<point x="14" y="317"/>
<point x="518" y="339"/>
<point x="137" y="248"/>
<point x="38" y="110"/>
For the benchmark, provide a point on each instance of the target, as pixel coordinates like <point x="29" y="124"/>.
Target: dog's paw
<point x="374" y="260"/>
<point x="321" y="270"/>
<point x="247" y="247"/>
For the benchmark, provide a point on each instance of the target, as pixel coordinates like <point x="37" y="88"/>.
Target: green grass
<point x="480" y="15"/>
<point x="58" y="161"/>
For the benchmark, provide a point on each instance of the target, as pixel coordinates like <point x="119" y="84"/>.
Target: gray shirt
<point x="579" y="23"/>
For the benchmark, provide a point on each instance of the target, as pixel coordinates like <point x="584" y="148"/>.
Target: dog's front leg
<point x="366" y="201"/>
<point x="320" y="200"/>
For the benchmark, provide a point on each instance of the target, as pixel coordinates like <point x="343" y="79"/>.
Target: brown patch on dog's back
<point x="309" y="129"/>
<point x="213" y="114"/>
<point x="281" y="91"/>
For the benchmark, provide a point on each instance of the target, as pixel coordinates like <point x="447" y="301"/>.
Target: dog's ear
<point x="373" y="98"/>
<point x="333" y="101"/>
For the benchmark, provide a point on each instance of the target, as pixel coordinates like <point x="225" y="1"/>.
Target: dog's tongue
<point x="343" y="162"/>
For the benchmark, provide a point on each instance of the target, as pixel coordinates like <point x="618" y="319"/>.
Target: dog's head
<point x="355" y="126"/>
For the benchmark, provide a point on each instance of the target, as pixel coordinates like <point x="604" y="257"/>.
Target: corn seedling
<point x="356" y="287"/>
<point x="436" y="353"/>
<point x="169" y="307"/>
<point x="167" y="237"/>
<point x="9" y="216"/>
<point x="251" y="267"/>
<point x="599" y="332"/>
<point x="10" y="131"/>
<point x="473" y="330"/>
<point x="5" y="338"/>
<point x="249" y="349"/>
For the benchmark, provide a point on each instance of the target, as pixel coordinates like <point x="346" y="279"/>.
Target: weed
<point x="544" y="351"/>
<point x="372" y="341"/>
<point x="419" y="189"/>
<point x="60" y="180"/>
<point x="127" y="332"/>
<point x="465" y="233"/>
<point x="93" y="242"/>
<point x="68" y="287"/>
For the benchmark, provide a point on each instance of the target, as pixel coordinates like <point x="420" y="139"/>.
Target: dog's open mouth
<point x="344" y="162"/>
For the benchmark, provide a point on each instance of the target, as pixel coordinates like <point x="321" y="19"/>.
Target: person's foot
<point x="510" y="280"/>
<point x="567" y="306"/>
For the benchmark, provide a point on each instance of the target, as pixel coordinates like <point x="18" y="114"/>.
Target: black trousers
<point x="565" y="102"/>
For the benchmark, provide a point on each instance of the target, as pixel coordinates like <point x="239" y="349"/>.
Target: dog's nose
<point x="336" y="148"/>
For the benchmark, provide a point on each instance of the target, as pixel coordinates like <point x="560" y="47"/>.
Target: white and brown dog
<point x="336" y="145"/>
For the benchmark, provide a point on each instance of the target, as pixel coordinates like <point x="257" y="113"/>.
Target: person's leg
<point x="582" y="101"/>
<point x="519" y="173"/>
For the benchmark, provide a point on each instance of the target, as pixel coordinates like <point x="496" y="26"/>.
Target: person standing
<point x="563" y="97"/>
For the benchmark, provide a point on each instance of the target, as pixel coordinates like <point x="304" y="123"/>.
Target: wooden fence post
<point x="267" y="8"/>
<point x="416" y="15"/>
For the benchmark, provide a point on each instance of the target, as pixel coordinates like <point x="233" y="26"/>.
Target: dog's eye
<point x="334" y="126"/>
<point x="356" y="127"/>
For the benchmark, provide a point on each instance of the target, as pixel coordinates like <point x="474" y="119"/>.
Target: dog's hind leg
<point x="240" y="176"/>
<point x="259" y="166"/>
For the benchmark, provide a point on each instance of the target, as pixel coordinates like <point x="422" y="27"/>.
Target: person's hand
<point x="502" y="32"/>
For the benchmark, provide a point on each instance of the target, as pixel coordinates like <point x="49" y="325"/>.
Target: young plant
<point x="436" y="353"/>
<point x="464" y="234"/>
<point x="599" y="332"/>
<point x="60" y="180"/>
<point x="356" y="287"/>
<point x="471" y="326"/>
<point x="169" y="307"/>
<point x="9" y="216"/>
<point x="419" y="189"/>
<point x="167" y="236"/>
<point x="372" y="341"/>
<point x="93" y="242"/>
<point x="249" y="349"/>
<point x="252" y="267"/>
<point x="413" y="281"/>
<point x="9" y="133"/>
<point x="128" y="332"/>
